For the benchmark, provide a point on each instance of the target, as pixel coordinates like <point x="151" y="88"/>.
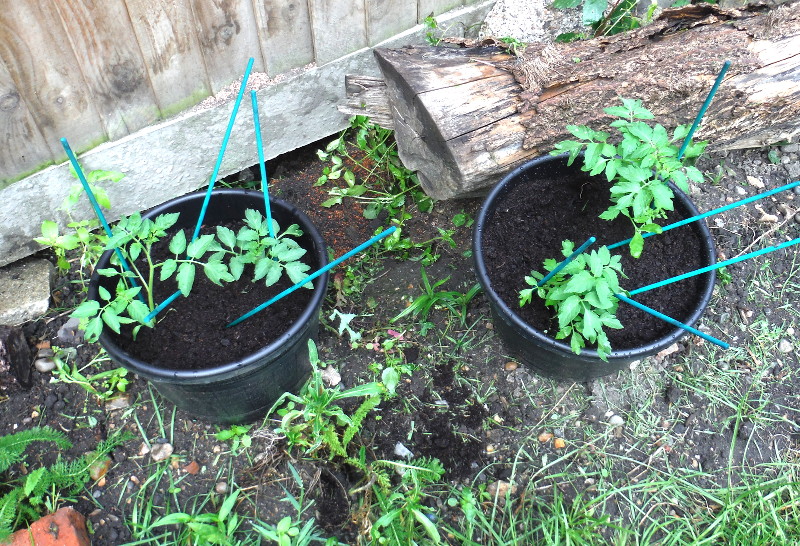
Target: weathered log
<point x="465" y="117"/>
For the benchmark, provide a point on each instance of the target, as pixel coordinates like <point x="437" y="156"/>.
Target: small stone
<point x="70" y="333"/>
<point x="134" y="479"/>
<point x="797" y="215"/>
<point x="559" y="443"/>
<point x="501" y="489"/>
<point x="511" y="366"/>
<point x="330" y="376"/>
<point x="192" y="468"/>
<point x="767" y="218"/>
<point x="740" y="190"/>
<point x="545" y="437"/>
<point x="756" y="182"/>
<point x="120" y="402"/>
<point x="44" y="365"/>
<point x="490" y="449"/>
<point x="616" y="421"/>
<point x="785" y="346"/>
<point x="402" y="451"/>
<point x="45" y="352"/>
<point x="674" y="348"/>
<point x="143" y="449"/>
<point x="790" y="331"/>
<point x="99" y="468"/>
<point x="221" y="488"/>
<point x="161" y="451"/>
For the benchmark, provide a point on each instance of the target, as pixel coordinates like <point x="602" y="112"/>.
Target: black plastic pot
<point x="245" y="389"/>
<point x="545" y="355"/>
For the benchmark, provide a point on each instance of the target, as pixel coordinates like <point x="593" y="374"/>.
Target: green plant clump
<point x="222" y="256"/>
<point x="583" y="296"/>
<point x="637" y="163"/>
<point x="24" y="498"/>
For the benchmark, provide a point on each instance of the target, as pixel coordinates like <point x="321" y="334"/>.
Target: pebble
<point x="559" y="443"/>
<point x="501" y="488"/>
<point x="785" y="346"/>
<point x="797" y="215"/>
<point x="616" y="421"/>
<point x="545" y="437"/>
<point x="753" y="181"/>
<point x="768" y="218"/>
<point x="511" y="366"/>
<point x="161" y="451"/>
<point x="44" y="365"/>
<point x="69" y="333"/>
<point x="221" y="488"/>
<point x="120" y="402"/>
<point x="330" y="376"/>
<point x="740" y="190"/>
<point x="402" y="451"/>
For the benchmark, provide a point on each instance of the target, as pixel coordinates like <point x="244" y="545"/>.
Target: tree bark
<point x="464" y="117"/>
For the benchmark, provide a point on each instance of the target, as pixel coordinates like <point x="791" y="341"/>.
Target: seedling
<point x="222" y="257"/>
<point x="637" y="167"/>
<point x="583" y="296"/>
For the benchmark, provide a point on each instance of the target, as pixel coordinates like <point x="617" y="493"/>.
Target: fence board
<point x="426" y="7"/>
<point x="339" y="28"/>
<point x="111" y="62"/>
<point x="47" y="74"/>
<point x="285" y="34"/>
<point x="22" y="147"/>
<point x="385" y="18"/>
<point x="228" y="38"/>
<point x="167" y="36"/>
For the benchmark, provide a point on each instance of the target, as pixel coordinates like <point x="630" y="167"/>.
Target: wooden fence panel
<point x="435" y="7"/>
<point x="228" y="38"/>
<point x="22" y="147"/>
<point x="36" y="53"/>
<point x="385" y="18"/>
<point x="284" y="29"/>
<point x="339" y="28"/>
<point x="167" y="35"/>
<point x="111" y="62"/>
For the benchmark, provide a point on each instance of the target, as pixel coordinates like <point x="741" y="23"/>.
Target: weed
<point x="105" y="385"/>
<point x="25" y="497"/>
<point x="208" y="528"/>
<point x="452" y="300"/>
<point x="605" y="21"/>
<point x="237" y="435"/>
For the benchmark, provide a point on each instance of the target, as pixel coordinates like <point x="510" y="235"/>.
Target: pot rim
<point x="634" y="353"/>
<point x="156" y="373"/>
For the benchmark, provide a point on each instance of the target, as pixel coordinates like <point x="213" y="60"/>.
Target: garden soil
<point x="466" y="402"/>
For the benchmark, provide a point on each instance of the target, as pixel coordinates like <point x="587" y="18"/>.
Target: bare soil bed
<point x="698" y="412"/>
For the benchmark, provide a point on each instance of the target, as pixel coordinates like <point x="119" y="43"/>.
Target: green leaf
<point x="566" y="4"/>
<point x="591" y="324"/>
<point x="236" y="267"/>
<point x="167" y="269"/>
<point x="576" y="343"/>
<point x="428" y="525"/>
<point x="297" y="271"/>
<point x="88" y="308"/>
<point x="226" y="236"/>
<point x="165" y="221"/>
<point x="137" y="310"/>
<point x="291" y="254"/>
<point x="636" y="245"/>
<point x="227" y="506"/>
<point x="568" y="310"/>
<point x="93" y="328"/>
<point x="111" y="320"/>
<point x="580" y="283"/>
<point x="253" y="218"/>
<point x="199" y="246"/>
<point x="105" y="295"/>
<point x="185" y="278"/>
<point x="178" y="243"/>
<point x="593" y="11"/>
<point x="331" y="202"/>
<point x="268" y="269"/>
<point x="217" y="272"/>
<point x="662" y="196"/>
<point x="611" y="321"/>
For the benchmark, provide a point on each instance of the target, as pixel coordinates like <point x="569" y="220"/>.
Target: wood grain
<point x="167" y="36"/>
<point x="44" y="70"/>
<point x="339" y="28"/>
<point x="284" y="29"/>
<point x="22" y="147"/>
<point x="228" y="37"/>
<point x="111" y="63"/>
<point x="385" y="18"/>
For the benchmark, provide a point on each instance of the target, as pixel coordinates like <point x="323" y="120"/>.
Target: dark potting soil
<point x="191" y="333"/>
<point x="532" y="220"/>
